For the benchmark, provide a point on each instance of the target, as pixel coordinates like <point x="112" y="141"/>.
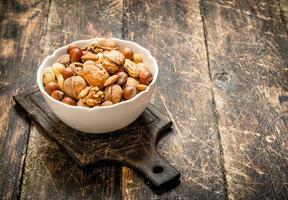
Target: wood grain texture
<point x="18" y="41"/>
<point x="173" y="32"/>
<point x="247" y="48"/>
<point x="62" y="178"/>
<point x="242" y="93"/>
<point x="283" y="6"/>
<point x="133" y="146"/>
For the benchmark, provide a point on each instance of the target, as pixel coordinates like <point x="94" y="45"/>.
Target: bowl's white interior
<point x="148" y="60"/>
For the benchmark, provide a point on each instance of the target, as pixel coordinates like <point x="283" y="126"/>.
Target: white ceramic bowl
<point x="101" y="119"/>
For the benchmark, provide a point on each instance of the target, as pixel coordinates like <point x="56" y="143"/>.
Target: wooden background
<point x="223" y="80"/>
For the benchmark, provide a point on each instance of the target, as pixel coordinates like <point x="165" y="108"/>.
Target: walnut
<point x="113" y="93"/>
<point x="109" y="65"/>
<point x="95" y="48"/>
<point x="94" y="74"/>
<point x="91" y="96"/>
<point x="74" y="85"/>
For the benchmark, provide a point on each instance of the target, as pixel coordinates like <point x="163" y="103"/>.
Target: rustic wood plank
<point x="18" y="41"/>
<point x="49" y="172"/>
<point x="173" y="32"/>
<point x="247" y="48"/>
<point x="283" y="4"/>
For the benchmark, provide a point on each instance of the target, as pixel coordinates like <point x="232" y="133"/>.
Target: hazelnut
<point x="131" y="82"/>
<point x="129" y="92"/>
<point x="127" y="53"/>
<point x="57" y="94"/>
<point x="68" y="72"/>
<point x="107" y="103"/>
<point x="51" y="86"/>
<point x="122" y="78"/>
<point x="137" y="58"/>
<point x="74" y="85"/>
<point x="70" y="47"/>
<point x="145" y="77"/>
<point x="111" y="80"/>
<point x="75" y="54"/>
<point x="69" y="101"/>
<point x="141" y="87"/>
<point x="113" y="93"/>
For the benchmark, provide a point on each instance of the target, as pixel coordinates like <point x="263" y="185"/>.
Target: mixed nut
<point x="100" y="74"/>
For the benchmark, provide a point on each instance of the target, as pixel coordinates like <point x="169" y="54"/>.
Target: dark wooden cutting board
<point x="133" y="146"/>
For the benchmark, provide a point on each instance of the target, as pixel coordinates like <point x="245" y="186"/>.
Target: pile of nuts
<point x="100" y="74"/>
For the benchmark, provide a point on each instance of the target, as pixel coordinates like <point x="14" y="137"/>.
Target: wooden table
<point x="223" y="81"/>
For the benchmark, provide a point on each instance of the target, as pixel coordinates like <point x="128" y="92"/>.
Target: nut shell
<point x="69" y="101"/>
<point x="107" y="103"/>
<point x="111" y="80"/>
<point x="141" y="87"/>
<point x="89" y="56"/>
<point x="127" y="53"/>
<point x="58" y="68"/>
<point x="131" y="82"/>
<point x="48" y="75"/>
<point x="113" y="93"/>
<point x="131" y="68"/>
<point x="109" y="65"/>
<point x="137" y="58"/>
<point x="74" y="85"/>
<point x="94" y="74"/>
<point x="75" y="54"/>
<point x="51" y="86"/>
<point x="114" y="55"/>
<point x="64" y="60"/>
<point x="122" y="78"/>
<point x="129" y="92"/>
<point x="145" y="77"/>
<point x="108" y="44"/>
<point x="68" y="72"/>
<point x="70" y="47"/>
<point x="57" y="94"/>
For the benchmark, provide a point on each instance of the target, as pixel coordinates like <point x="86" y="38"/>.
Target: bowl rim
<point x="122" y="103"/>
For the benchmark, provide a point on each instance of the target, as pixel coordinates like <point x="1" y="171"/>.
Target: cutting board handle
<point x="157" y="170"/>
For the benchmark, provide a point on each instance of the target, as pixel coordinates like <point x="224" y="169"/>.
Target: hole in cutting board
<point x="157" y="169"/>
